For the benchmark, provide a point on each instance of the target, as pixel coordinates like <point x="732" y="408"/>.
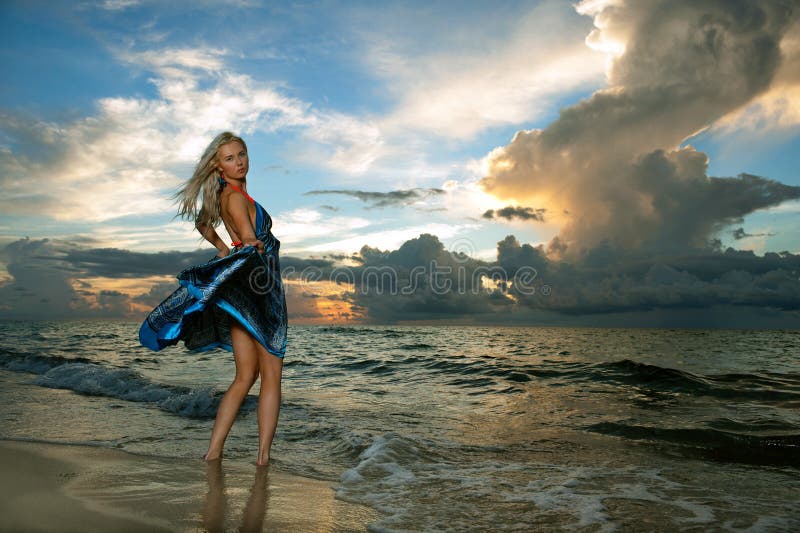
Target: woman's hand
<point x="210" y="234"/>
<point x="255" y="242"/>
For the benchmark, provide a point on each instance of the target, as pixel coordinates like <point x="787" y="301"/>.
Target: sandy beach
<point x="62" y="487"/>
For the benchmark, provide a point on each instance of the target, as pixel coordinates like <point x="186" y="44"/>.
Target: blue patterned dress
<point x="245" y="286"/>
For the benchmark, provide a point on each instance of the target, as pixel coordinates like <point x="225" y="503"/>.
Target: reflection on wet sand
<point x="273" y="501"/>
<point x="88" y="488"/>
<point x="256" y="508"/>
<point x="214" y="510"/>
<point x="216" y="503"/>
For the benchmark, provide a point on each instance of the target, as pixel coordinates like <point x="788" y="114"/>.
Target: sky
<point x="595" y="163"/>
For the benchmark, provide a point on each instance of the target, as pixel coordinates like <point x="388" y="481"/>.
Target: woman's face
<point x="232" y="160"/>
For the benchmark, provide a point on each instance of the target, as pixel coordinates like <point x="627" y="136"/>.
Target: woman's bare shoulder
<point x="230" y="198"/>
<point x="235" y="209"/>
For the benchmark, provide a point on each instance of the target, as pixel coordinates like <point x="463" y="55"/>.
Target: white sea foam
<point x="450" y="494"/>
<point x="127" y="384"/>
<point x="565" y="491"/>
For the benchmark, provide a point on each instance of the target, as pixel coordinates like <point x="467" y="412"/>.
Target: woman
<point x="235" y="301"/>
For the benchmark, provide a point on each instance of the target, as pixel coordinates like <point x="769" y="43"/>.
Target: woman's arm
<point x="210" y="234"/>
<point x="237" y="208"/>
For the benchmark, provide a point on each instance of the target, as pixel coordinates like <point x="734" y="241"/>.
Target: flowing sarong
<point x="245" y="286"/>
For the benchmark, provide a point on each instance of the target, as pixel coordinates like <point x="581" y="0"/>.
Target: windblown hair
<point x="204" y="181"/>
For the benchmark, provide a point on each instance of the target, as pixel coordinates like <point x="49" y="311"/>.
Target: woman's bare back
<point x="228" y="219"/>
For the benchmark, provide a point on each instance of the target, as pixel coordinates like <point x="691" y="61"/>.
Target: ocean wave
<point x="85" y="376"/>
<point x="766" y="386"/>
<point x="342" y="329"/>
<point x="484" y="373"/>
<point x="710" y="443"/>
<point x="361" y="330"/>
<point x="416" y="346"/>
<point x="34" y="363"/>
<point x="89" y="336"/>
<point x="382" y="461"/>
<point x="93" y="379"/>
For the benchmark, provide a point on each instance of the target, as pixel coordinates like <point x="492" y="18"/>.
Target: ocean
<point x="456" y="428"/>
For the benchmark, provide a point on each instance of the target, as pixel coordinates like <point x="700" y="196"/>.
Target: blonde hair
<point x="205" y="181"/>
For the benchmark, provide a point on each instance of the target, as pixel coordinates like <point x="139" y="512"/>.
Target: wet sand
<point x="62" y="487"/>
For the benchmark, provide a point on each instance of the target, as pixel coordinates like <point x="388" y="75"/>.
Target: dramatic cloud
<point x="110" y="262"/>
<point x="511" y="212"/>
<point x="126" y="158"/>
<point x="154" y="296"/>
<point x="778" y="108"/>
<point x="636" y="214"/>
<point x="421" y="281"/>
<point x="385" y="199"/>
<point x="41" y="286"/>
<point x="613" y="164"/>
<point x="55" y="278"/>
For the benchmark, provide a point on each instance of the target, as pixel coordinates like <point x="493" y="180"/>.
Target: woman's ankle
<point x="262" y="459"/>
<point x="211" y="456"/>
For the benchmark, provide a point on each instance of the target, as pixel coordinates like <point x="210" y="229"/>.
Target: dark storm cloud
<point x="41" y="284"/>
<point x="291" y="264"/>
<point x="384" y="199"/>
<point x="423" y="281"/>
<point x="115" y="263"/>
<point x="512" y="212"/>
<point x="740" y="233"/>
<point x="46" y="278"/>
<point x="341" y="257"/>
<point x="418" y="281"/>
<point x="156" y="294"/>
<point x="614" y="161"/>
<point x="114" y="303"/>
<point x="703" y="280"/>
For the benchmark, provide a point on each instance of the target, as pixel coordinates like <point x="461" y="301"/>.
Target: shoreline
<point x="73" y="487"/>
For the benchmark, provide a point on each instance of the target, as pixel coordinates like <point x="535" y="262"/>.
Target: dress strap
<point x="223" y="183"/>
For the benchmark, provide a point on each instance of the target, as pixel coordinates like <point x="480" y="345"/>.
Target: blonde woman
<point x="236" y="301"/>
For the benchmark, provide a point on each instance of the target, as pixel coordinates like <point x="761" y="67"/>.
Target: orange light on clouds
<point x="90" y="288"/>
<point x="320" y="302"/>
<point x="307" y="302"/>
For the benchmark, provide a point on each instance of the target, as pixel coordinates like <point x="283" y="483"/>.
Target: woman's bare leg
<point x="269" y="401"/>
<point x="246" y="356"/>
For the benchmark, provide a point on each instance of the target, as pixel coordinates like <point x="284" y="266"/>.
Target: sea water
<point x="456" y="427"/>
